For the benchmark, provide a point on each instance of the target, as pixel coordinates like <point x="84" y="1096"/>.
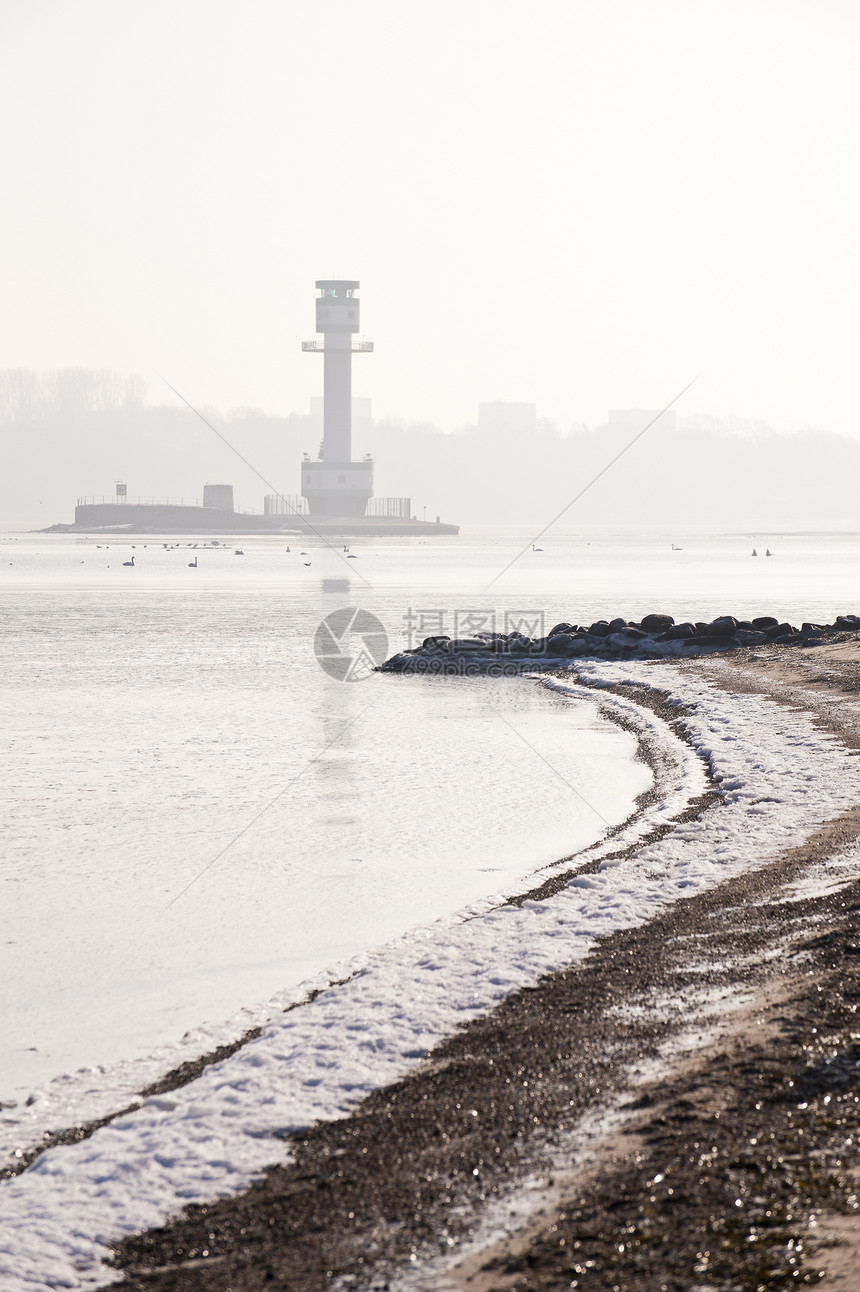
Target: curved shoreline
<point x="567" y="929"/>
<point x="660" y="704"/>
<point x="410" y="1151"/>
<point x="188" y="1070"/>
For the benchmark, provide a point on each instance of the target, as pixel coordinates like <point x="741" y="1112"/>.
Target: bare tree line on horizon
<point x="74" y="431"/>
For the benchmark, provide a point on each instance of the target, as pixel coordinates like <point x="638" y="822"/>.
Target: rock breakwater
<point x="656" y="636"/>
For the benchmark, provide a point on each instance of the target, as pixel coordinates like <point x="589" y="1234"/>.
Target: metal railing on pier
<point x="284" y="504"/>
<point x="398" y="508"/>
<point x="96" y="500"/>
<point x="99" y="500"/>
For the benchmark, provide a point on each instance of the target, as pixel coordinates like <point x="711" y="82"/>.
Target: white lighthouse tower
<point x="334" y="485"/>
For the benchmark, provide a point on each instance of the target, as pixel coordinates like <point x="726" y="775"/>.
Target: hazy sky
<point x="579" y="204"/>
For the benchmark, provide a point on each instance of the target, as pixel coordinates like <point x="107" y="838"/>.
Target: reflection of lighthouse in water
<point x="334" y="485"/>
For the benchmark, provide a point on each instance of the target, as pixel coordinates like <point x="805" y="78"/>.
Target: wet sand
<point x="681" y="1110"/>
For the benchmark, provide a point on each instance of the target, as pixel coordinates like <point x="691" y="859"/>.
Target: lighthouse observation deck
<point x="318" y="347"/>
<point x="337" y="305"/>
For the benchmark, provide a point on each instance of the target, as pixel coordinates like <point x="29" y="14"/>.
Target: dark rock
<point x="657" y="623"/>
<point x="745" y="626"/>
<point x="846" y="623"/>
<point x="467" y="645"/>
<point x="430" y="642"/>
<point x="599" y="629"/>
<point x="808" y="629"/>
<point x="715" y="641"/>
<point x="561" y="628"/>
<point x="397" y="663"/>
<point x="615" y="625"/>
<point x="677" y="633"/>
<point x="764" y="622"/>
<point x="780" y="630"/>
<point x="559" y="644"/>
<point x="701" y="628"/>
<point x="723" y="626"/>
<point x="752" y="638"/>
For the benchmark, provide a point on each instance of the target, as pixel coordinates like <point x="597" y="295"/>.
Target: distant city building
<point x="628" y="421"/>
<point x="503" y="418"/>
<point x="218" y="496"/>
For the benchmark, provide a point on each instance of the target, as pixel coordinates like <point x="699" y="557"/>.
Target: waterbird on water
<point x="754" y="552"/>
<point x="238" y="552"/>
<point x="536" y="549"/>
<point x="131" y="562"/>
<point x="192" y="565"/>
<point x="677" y="549"/>
<point x="768" y="552"/>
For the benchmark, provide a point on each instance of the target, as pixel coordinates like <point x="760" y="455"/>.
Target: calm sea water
<point x="195" y="815"/>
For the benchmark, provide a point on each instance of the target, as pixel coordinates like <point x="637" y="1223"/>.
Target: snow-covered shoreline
<point x="91" y="1094"/>
<point x="780" y="777"/>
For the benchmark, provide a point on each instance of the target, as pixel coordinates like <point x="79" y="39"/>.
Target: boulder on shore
<point x="559" y="643"/>
<point x="657" y="623"/>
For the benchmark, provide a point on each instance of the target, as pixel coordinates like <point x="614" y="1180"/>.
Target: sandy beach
<point x="678" y="1109"/>
<point x="681" y="1110"/>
